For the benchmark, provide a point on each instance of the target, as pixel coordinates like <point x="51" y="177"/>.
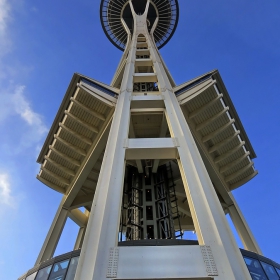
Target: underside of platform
<point x="80" y="130"/>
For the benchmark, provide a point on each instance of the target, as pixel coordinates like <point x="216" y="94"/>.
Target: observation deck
<point x="166" y="13"/>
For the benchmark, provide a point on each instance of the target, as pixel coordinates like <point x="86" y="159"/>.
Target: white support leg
<point x="54" y="234"/>
<point x="80" y="238"/>
<point x="242" y="228"/>
<point x="209" y="220"/>
<point x="103" y="225"/>
<point x="81" y="233"/>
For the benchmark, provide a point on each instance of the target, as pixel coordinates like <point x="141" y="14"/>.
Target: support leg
<point x="54" y="234"/>
<point x="80" y="238"/>
<point x="81" y="234"/>
<point x="103" y="225"/>
<point x="209" y="220"/>
<point x="243" y="229"/>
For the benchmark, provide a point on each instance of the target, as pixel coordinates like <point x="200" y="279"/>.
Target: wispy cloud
<point x="13" y="100"/>
<point x="5" y="16"/>
<point x="5" y="40"/>
<point x="24" y="110"/>
<point x="5" y="190"/>
<point x="16" y="112"/>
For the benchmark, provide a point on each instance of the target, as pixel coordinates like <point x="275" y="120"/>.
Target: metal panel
<point x="161" y="262"/>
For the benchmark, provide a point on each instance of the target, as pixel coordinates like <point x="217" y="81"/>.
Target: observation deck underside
<point x="80" y="132"/>
<point x="112" y="11"/>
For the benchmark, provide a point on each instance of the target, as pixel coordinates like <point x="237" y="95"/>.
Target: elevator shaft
<point x="149" y="207"/>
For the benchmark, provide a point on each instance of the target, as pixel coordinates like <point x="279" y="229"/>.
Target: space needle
<point x="141" y="162"/>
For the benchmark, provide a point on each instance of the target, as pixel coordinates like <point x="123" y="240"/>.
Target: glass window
<point x="32" y="276"/>
<point x="72" y="269"/>
<point x="278" y="270"/>
<point x="255" y="269"/>
<point x="270" y="271"/>
<point x="43" y="273"/>
<point x="59" y="270"/>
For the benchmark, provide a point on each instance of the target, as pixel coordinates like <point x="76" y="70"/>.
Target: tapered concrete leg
<point x="81" y="234"/>
<point x="243" y="229"/>
<point x="80" y="238"/>
<point x="209" y="220"/>
<point x="54" y="234"/>
<point x="103" y="225"/>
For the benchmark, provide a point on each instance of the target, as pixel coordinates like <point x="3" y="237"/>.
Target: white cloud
<point x="13" y="100"/>
<point x="5" y="43"/>
<point x="23" y="129"/>
<point x="5" y="190"/>
<point x="5" y="39"/>
<point x="25" y="126"/>
<point x="4" y="16"/>
<point x="23" y="108"/>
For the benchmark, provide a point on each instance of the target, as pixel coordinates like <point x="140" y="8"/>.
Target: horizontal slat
<point x="233" y="163"/>
<point x="51" y="185"/>
<point x="243" y="181"/>
<point x="227" y="154"/>
<point x="218" y="131"/>
<point x="77" y="135"/>
<point x="209" y="121"/>
<point x="59" y="166"/>
<point x="224" y="142"/>
<point x="71" y="160"/>
<point x="57" y="177"/>
<point x="144" y="77"/>
<point x="239" y="172"/>
<point x="70" y="146"/>
<point x="88" y="126"/>
<point x="90" y="111"/>
<point x="202" y="108"/>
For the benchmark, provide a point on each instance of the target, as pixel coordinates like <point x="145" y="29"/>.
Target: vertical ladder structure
<point x="148" y="161"/>
<point x="166" y="203"/>
<point x="133" y="209"/>
<point x="175" y="214"/>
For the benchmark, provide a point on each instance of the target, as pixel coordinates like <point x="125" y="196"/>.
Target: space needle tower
<point x="142" y="162"/>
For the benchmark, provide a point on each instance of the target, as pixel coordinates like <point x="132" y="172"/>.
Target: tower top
<point x="113" y="11"/>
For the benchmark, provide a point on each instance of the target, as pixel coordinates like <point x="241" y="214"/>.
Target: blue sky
<point x="42" y="43"/>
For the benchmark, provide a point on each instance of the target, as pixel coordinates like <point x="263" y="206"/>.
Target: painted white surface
<point x="160" y="262"/>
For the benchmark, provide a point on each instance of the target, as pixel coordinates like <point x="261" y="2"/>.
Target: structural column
<point x="54" y="234"/>
<point x="209" y="220"/>
<point x="80" y="238"/>
<point x="103" y="226"/>
<point x="81" y="234"/>
<point x="242" y="228"/>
